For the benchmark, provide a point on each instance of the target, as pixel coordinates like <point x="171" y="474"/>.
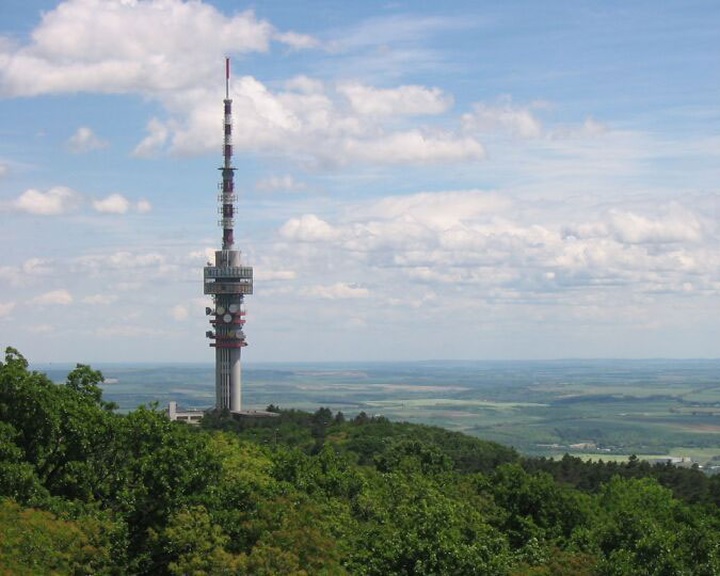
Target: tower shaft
<point x="227" y="281"/>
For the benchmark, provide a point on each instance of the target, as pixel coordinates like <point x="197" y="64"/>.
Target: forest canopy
<point x="86" y="490"/>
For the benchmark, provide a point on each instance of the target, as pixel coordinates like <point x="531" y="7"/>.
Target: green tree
<point x="536" y="509"/>
<point x="64" y="432"/>
<point x="38" y="542"/>
<point x="168" y="466"/>
<point x="18" y="479"/>
<point x="191" y="544"/>
<point x="642" y="530"/>
<point x="411" y="526"/>
<point x="413" y="456"/>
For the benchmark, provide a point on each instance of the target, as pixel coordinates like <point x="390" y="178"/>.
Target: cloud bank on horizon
<point x="495" y="181"/>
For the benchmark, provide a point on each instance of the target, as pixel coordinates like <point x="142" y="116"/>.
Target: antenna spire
<point x="227" y="78"/>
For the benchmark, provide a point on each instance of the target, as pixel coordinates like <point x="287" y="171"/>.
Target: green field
<point x="596" y="408"/>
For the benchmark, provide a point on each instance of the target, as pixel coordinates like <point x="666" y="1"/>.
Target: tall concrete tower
<point x="227" y="281"/>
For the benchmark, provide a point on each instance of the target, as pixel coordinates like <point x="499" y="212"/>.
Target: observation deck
<point x="228" y="279"/>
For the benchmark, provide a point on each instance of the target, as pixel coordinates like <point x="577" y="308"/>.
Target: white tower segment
<point x="227" y="281"/>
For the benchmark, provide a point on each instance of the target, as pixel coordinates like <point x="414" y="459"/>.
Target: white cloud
<point x="113" y="204"/>
<point x="404" y="100"/>
<point x="440" y="209"/>
<point x="505" y="117"/>
<point x="679" y="227"/>
<point x="37" y="267"/>
<point x="588" y="129"/>
<point x="338" y="291"/>
<point x="55" y="297"/>
<point x="308" y="228"/>
<point x="116" y="46"/>
<point x="31" y="272"/>
<point x="154" y="141"/>
<point x="179" y="313"/>
<point x="85" y="140"/>
<point x="3" y="170"/>
<point x="100" y="299"/>
<point x="311" y="124"/>
<point x="674" y="224"/>
<point x="510" y="251"/>
<point x="204" y="255"/>
<point x="274" y="183"/>
<point x="61" y="200"/>
<point x="296" y="41"/>
<point x="6" y="308"/>
<point x="55" y="201"/>
<point x="266" y="275"/>
<point x="143" y="206"/>
<point x="305" y="84"/>
<point x="414" y="147"/>
<point x="126" y="259"/>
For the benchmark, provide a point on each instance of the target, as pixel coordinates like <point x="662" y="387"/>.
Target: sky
<point x="417" y="180"/>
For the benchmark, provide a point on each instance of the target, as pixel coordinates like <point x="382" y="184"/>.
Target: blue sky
<point x="475" y="180"/>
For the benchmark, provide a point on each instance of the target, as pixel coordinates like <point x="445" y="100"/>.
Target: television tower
<point x="227" y="281"/>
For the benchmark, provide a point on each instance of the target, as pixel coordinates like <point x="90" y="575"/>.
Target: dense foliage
<point x="85" y="490"/>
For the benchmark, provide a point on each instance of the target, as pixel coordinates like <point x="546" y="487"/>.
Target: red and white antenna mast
<point x="228" y="172"/>
<point x="227" y="281"/>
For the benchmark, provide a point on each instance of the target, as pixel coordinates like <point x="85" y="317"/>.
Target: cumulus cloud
<point x="118" y="204"/>
<point x="310" y="122"/>
<point x="61" y="200"/>
<point x="414" y="147"/>
<point x="125" y="46"/>
<point x="308" y="228"/>
<point x="508" y="250"/>
<point x="54" y="297"/>
<point x="113" y="46"/>
<point x="85" y="140"/>
<point x="113" y="204"/>
<point x="275" y="183"/>
<point x="674" y="224"/>
<point x="678" y="227"/>
<point x="57" y="200"/>
<point x="506" y="118"/>
<point x="154" y="141"/>
<point x="404" y="100"/>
